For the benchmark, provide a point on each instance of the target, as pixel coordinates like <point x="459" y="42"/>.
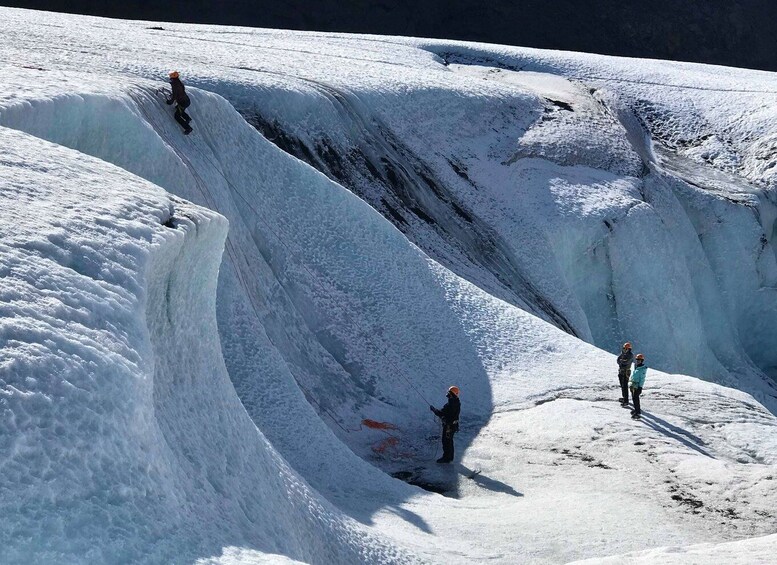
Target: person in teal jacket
<point x="636" y="382"/>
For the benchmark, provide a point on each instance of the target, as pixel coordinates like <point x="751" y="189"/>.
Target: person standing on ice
<point x="636" y="382"/>
<point x="450" y="423"/>
<point x="182" y="102"/>
<point x="624" y="371"/>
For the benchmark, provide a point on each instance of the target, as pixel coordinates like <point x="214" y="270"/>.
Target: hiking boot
<point x="443" y="460"/>
<point x="635" y="416"/>
<point x="187" y="131"/>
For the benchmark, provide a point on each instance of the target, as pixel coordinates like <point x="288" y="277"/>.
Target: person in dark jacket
<point x="450" y="423"/>
<point x="624" y="371"/>
<point x="182" y="102"/>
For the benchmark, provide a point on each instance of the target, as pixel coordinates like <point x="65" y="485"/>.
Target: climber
<point x="450" y="423"/>
<point x="636" y="382"/>
<point x="182" y="102"/>
<point x="624" y="371"/>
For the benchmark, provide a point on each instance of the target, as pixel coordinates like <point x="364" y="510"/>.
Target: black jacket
<point x="625" y="359"/>
<point x="450" y="412"/>
<point x="179" y="93"/>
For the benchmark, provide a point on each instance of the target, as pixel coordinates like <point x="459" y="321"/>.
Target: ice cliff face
<point x="123" y="437"/>
<point x="581" y="204"/>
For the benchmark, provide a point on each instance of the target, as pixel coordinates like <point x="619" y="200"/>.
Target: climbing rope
<point x="314" y="280"/>
<point x="391" y="441"/>
<point x="202" y="186"/>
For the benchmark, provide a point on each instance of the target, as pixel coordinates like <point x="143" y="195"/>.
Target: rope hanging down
<point x="204" y="190"/>
<point x="314" y="280"/>
<point x="387" y="445"/>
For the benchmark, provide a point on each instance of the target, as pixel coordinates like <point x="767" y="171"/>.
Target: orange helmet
<point x="173" y="74"/>
<point x="640" y="357"/>
<point x="454" y="390"/>
<point x="627" y="345"/>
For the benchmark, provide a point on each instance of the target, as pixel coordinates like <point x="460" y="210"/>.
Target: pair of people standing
<point x="631" y="382"/>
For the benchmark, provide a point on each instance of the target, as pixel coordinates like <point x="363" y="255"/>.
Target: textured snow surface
<point x="192" y="329"/>
<point x="755" y="550"/>
<point x="123" y="438"/>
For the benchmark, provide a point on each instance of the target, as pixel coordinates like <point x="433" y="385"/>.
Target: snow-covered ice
<point x="193" y="329"/>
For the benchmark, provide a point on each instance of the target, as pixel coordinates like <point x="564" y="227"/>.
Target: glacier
<point x="193" y="329"/>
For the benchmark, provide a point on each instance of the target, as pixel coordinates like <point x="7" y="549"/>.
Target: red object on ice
<point x="375" y="425"/>
<point x="382" y="446"/>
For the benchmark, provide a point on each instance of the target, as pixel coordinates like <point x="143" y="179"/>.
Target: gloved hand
<point x="170" y="101"/>
<point x="432" y="408"/>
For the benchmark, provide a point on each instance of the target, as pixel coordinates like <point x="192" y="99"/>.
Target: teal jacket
<point x="637" y="379"/>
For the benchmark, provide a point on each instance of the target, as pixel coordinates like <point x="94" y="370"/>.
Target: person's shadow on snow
<point x="674" y="432"/>
<point x="487" y="482"/>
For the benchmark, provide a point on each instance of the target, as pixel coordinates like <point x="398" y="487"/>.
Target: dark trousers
<point x="623" y="377"/>
<point x="447" y="443"/>
<point x="181" y="116"/>
<point x="635" y="393"/>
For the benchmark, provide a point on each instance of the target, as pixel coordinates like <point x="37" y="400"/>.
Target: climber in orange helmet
<point x="450" y="423"/>
<point x="181" y="100"/>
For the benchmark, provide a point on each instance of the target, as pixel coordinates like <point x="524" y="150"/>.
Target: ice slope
<point x="327" y="314"/>
<point x="370" y="124"/>
<point x="305" y="285"/>
<point x="755" y="550"/>
<point x="707" y="154"/>
<point x="123" y="439"/>
<point x="472" y="191"/>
